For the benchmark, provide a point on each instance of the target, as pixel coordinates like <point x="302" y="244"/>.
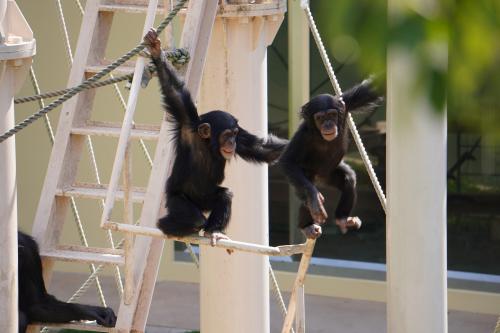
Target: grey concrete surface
<point x="175" y="309"/>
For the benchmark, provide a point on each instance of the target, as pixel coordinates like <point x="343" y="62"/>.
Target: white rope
<point x="338" y="91"/>
<point x="277" y="293"/>
<point x="90" y="148"/>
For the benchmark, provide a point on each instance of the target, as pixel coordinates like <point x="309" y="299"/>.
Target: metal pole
<point x="235" y="288"/>
<point x="15" y="59"/>
<point x="416" y="188"/>
<point x="298" y="92"/>
<point x="8" y="208"/>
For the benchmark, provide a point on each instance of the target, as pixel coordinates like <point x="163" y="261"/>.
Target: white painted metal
<point x="15" y="59"/>
<point x="298" y="93"/>
<point x="416" y="188"/>
<point x="8" y="207"/>
<point x="127" y="121"/>
<point x="235" y="81"/>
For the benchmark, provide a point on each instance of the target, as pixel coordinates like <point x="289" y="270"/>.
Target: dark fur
<point x="36" y="305"/>
<point x="309" y="159"/>
<point x="193" y="187"/>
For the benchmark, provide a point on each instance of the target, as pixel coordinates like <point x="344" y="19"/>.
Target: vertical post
<point x="8" y="206"/>
<point x="298" y="92"/>
<point x="128" y="218"/>
<point x="416" y="188"/>
<point x="15" y="59"/>
<point x="235" y="288"/>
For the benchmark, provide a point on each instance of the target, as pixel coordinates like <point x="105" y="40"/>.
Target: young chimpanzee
<point x="315" y="153"/>
<point x="36" y="305"/>
<point x="203" y="145"/>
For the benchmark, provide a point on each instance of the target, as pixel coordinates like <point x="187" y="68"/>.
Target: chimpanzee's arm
<point x="289" y="162"/>
<point x="177" y="99"/>
<point x="52" y="310"/>
<point x="304" y="187"/>
<point x="362" y="97"/>
<point x="258" y="150"/>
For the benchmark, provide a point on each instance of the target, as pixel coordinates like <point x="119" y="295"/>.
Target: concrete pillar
<point x="235" y="288"/>
<point x="298" y="92"/>
<point x="416" y="195"/>
<point x="16" y="43"/>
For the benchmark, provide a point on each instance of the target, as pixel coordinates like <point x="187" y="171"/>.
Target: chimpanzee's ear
<point x="204" y="130"/>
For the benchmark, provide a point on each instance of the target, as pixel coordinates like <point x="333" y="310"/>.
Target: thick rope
<point x="177" y="56"/>
<point x="338" y="91"/>
<point x="84" y="85"/>
<point x="497" y="328"/>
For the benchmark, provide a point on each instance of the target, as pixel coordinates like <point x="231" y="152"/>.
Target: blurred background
<point x="356" y="36"/>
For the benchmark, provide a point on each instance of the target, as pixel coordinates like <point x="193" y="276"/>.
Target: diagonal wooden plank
<point x="195" y="38"/>
<point x="66" y="153"/>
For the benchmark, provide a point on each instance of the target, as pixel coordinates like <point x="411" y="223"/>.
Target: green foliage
<point x="468" y="79"/>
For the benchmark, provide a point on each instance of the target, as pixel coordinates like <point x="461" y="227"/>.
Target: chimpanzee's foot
<point x="312" y="231"/>
<point x="349" y="223"/>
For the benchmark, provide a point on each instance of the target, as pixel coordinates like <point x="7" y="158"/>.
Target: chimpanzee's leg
<point x="343" y="177"/>
<point x="183" y="217"/>
<point x="220" y="205"/>
<point x="52" y="310"/>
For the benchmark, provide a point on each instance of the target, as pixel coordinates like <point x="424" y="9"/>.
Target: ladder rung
<point x="89" y="249"/>
<point x="145" y="132"/>
<point x="122" y="70"/>
<point x="111" y="6"/>
<point x="86" y="257"/>
<point x="78" y="326"/>
<point x="98" y="191"/>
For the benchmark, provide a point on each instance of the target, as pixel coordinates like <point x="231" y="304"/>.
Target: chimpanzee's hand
<point x="105" y="316"/>
<point x="153" y="43"/>
<point x="312" y="231"/>
<point x="316" y="208"/>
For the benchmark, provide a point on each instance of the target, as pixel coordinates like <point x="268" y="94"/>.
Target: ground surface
<point x="176" y="309"/>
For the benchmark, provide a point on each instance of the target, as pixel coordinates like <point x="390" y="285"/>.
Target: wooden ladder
<point x="75" y="124"/>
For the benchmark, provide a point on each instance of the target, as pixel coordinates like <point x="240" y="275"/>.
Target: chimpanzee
<point x="36" y="305"/>
<point x="315" y="156"/>
<point x="204" y="144"/>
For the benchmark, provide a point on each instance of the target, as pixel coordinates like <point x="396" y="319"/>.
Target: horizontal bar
<point x="285" y="250"/>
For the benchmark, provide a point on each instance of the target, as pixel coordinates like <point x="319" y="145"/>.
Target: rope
<point x="85" y="84"/>
<point x="497" y="328"/>
<point x="177" y="56"/>
<point x="277" y="293"/>
<point x="171" y="56"/>
<point x="338" y="91"/>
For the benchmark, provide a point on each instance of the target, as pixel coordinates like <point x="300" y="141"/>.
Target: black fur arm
<point x="258" y="150"/>
<point x="362" y="97"/>
<point x="177" y="99"/>
<point x="289" y="164"/>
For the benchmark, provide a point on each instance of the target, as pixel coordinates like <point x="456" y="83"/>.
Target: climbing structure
<point x="140" y="251"/>
<point x="61" y="186"/>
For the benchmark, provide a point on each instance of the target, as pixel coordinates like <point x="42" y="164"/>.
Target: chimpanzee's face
<point x="326" y="122"/>
<point x="227" y="142"/>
